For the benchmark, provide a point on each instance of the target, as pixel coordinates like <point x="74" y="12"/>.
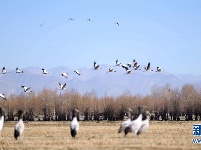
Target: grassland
<point x="98" y="135"/>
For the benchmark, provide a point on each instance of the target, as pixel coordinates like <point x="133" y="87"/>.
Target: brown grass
<point x="102" y="135"/>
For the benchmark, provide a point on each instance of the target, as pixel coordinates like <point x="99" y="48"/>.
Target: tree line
<point x="163" y="103"/>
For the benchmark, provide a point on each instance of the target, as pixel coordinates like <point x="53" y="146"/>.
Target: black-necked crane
<point x="96" y="66"/>
<point x="125" y="123"/>
<point x="4" y="70"/>
<point x="26" y="89"/>
<point x="135" y="125"/>
<point x="125" y="66"/>
<point x="89" y="19"/>
<point x="111" y="70"/>
<point x="65" y="75"/>
<point x="77" y="72"/>
<point x="137" y="67"/>
<point x="3" y="96"/>
<point x="44" y="71"/>
<point x="128" y="71"/>
<point x="117" y="23"/>
<point x="74" y="125"/>
<point x="1" y="120"/>
<point x="147" y="68"/>
<point x="145" y="125"/>
<point x="71" y="19"/>
<point x="19" y="127"/>
<point x="62" y="87"/>
<point x="135" y="63"/>
<point x="158" y="69"/>
<point x="118" y="63"/>
<point x="19" y="71"/>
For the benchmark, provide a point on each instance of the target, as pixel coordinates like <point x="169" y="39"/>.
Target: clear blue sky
<point x="165" y="32"/>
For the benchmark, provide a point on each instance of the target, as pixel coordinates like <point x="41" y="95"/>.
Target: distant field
<point x="102" y="135"/>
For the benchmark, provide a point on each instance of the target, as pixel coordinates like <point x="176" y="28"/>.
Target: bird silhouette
<point x="19" y="127"/>
<point x="44" y="71"/>
<point x="41" y="25"/>
<point x="65" y="75"/>
<point x="77" y="72"/>
<point x="26" y="89"/>
<point x="3" y="96"/>
<point x="1" y="120"/>
<point x="74" y="125"/>
<point x="117" y="23"/>
<point x="62" y="87"/>
<point x="19" y="71"/>
<point x="125" y="123"/>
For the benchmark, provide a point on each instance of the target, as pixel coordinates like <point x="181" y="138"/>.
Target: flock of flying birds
<point x="129" y="67"/>
<point x="136" y="126"/>
<point x="72" y="19"/>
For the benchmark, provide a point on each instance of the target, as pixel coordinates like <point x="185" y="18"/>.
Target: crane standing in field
<point x="125" y="123"/>
<point x="19" y="127"/>
<point x="74" y="126"/>
<point x="1" y="120"/>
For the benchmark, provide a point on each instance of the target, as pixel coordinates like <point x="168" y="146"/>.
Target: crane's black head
<point x="74" y="113"/>
<point x="20" y="114"/>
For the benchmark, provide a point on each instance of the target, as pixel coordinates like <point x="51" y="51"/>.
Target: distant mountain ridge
<point x="99" y="81"/>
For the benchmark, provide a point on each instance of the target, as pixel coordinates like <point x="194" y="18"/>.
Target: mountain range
<point x="101" y="82"/>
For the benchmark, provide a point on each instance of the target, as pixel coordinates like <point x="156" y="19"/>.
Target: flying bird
<point x="65" y="75"/>
<point x="3" y="96"/>
<point x="4" y="70"/>
<point x="89" y="19"/>
<point x="77" y="72"/>
<point x="147" y="68"/>
<point x="1" y="120"/>
<point x="96" y="66"/>
<point x="74" y="125"/>
<point x="62" y="87"/>
<point x="158" y="69"/>
<point x="41" y="25"/>
<point x="117" y="23"/>
<point x="19" y="71"/>
<point x="111" y="70"/>
<point x="125" y="66"/>
<point x="19" y="127"/>
<point x="44" y="71"/>
<point x="137" y="67"/>
<point x="118" y="63"/>
<point x="135" y="63"/>
<point x="128" y="71"/>
<point x="71" y="19"/>
<point x="26" y="89"/>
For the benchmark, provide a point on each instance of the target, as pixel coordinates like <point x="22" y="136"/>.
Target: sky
<point x="166" y="33"/>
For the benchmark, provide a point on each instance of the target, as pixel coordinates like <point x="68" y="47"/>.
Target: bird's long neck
<point x="20" y="116"/>
<point x="74" y="114"/>
<point x="129" y="114"/>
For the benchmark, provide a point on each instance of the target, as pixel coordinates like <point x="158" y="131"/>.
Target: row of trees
<point x="164" y="103"/>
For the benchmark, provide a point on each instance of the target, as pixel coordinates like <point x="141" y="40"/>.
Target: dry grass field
<point x="98" y="135"/>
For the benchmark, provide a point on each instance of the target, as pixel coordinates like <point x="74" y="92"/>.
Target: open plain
<point x="99" y="135"/>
